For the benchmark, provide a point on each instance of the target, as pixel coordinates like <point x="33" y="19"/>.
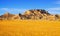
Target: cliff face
<point x="35" y="14"/>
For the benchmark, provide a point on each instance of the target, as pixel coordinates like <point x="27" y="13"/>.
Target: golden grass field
<point x="29" y="28"/>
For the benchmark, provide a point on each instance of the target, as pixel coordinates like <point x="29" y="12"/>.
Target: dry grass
<point x="29" y="28"/>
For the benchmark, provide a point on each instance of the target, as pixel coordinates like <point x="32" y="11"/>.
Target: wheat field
<point x="29" y="28"/>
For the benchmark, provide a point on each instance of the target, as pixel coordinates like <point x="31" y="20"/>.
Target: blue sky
<point x="19" y="6"/>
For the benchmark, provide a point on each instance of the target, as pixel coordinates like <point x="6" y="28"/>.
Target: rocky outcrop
<point x="16" y="16"/>
<point x="35" y="14"/>
<point x="7" y="16"/>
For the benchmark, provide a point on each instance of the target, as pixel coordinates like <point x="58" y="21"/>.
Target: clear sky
<point x="19" y="6"/>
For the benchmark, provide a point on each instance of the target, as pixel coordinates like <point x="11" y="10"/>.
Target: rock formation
<point x="7" y="16"/>
<point x="35" y="14"/>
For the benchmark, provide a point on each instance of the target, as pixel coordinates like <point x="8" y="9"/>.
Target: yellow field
<point x="29" y="28"/>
